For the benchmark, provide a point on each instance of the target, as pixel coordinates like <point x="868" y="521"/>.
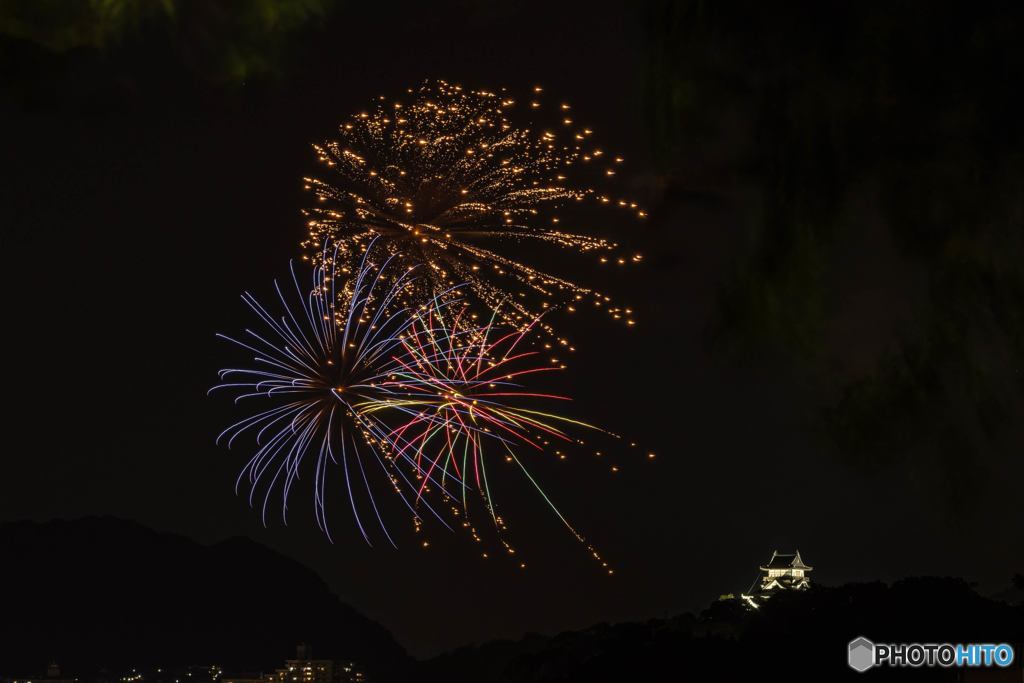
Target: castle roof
<point x="786" y="561"/>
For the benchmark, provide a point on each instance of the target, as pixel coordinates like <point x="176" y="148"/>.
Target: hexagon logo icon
<point x="861" y="654"/>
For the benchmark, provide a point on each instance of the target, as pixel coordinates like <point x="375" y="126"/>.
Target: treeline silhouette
<point x="799" y="633"/>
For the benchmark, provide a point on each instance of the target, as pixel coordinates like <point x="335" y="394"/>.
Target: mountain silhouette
<point x="101" y="592"/>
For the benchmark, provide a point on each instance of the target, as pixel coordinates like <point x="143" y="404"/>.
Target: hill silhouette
<point x="798" y="633"/>
<point x="103" y="592"/>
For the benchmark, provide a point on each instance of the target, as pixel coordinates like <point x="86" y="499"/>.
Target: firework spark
<point x="448" y="181"/>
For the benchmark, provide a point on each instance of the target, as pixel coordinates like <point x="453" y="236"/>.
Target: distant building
<point x="783" y="572"/>
<point x="305" y="669"/>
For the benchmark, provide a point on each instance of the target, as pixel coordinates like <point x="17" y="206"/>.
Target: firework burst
<point x="417" y="401"/>
<point x="477" y="405"/>
<point x="448" y="181"/>
<point x="322" y="368"/>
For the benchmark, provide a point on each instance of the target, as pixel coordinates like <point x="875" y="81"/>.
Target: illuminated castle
<point x="784" y="571"/>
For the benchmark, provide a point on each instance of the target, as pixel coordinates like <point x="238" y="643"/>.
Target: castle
<point x="784" y="571"/>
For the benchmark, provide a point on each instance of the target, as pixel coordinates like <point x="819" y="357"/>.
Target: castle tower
<point x="784" y="571"/>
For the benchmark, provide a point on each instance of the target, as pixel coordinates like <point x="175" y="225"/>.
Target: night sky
<point x="829" y="341"/>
